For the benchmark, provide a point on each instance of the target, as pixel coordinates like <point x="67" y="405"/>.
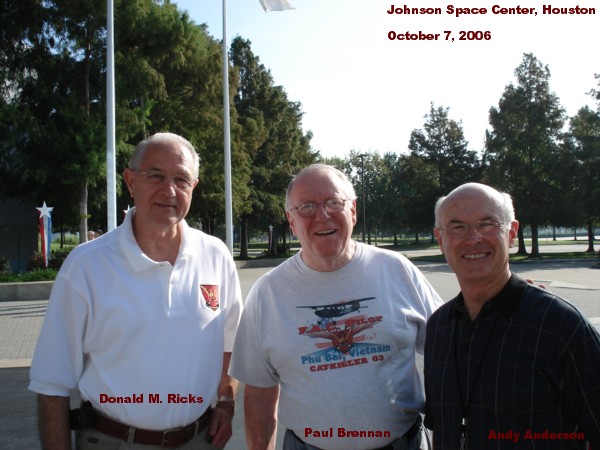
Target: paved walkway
<point x="20" y="323"/>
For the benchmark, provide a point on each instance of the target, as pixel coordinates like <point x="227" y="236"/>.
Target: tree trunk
<point x="590" y="233"/>
<point x="284" y="234"/>
<point x="273" y="241"/>
<point x="244" y="238"/>
<point x="535" y="245"/>
<point x="83" y="194"/>
<point x="83" y="213"/>
<point x="522" y="249"/>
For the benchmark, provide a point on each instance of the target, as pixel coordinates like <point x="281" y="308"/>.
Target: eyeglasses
<point x="331" y="205"/>
<point x="156" y="177"/>
<point x="483" y="227"/>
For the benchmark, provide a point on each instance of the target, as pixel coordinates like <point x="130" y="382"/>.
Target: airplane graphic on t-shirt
<point x="344" y="337"/>
<point x="338" y="309"/>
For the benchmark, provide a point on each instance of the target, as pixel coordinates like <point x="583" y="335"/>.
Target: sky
<point x="361" y="91"/>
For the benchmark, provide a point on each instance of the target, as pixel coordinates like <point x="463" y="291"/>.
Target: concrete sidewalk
<point x="20" y="323"/>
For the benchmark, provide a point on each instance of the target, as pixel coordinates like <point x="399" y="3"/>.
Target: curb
<point x="31" y="290"/>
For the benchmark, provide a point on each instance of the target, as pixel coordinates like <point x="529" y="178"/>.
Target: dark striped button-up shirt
<point x="525" y="373"/>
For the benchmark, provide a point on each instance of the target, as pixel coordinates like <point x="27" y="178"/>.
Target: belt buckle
<point x="165" y="438"/>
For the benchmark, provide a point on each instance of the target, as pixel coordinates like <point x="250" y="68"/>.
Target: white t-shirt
<point x="341" y="345"/>
<point x="143" y="341"/>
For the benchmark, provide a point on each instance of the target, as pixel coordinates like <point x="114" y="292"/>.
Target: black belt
<point x="409" y="435"/>
<point x="166" y="438"/>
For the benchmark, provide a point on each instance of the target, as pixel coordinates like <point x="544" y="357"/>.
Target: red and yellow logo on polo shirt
<point x="210" y="292"/>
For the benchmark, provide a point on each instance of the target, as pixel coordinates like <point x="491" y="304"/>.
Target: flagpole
<point x="111" y="177"/>
<point x="227" y="140"/>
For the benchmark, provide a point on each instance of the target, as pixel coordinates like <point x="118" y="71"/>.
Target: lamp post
<point x="362" y="182"/>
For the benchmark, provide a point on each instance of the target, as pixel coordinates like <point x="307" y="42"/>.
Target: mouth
<point x="475" y="256"/>
<point x="325" y="232"/>
<point x="165" y="205"/>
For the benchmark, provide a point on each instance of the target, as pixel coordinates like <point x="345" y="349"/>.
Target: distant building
<point x="18" y="233"/>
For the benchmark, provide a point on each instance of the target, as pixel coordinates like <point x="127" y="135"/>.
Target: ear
<point x="290" y="219"/>
<point x="129" y="177"/>
<point x="512" y="232"/>
<point x="439" y="238"/>
<point x="353" y="211"/>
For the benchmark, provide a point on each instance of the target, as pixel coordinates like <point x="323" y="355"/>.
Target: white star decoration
<point x="45" y="210"/>
<point x="127" y="210"/>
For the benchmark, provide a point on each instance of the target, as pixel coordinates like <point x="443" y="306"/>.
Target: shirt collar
<point x="506" y="301"/>
<point x="137" y="259"/>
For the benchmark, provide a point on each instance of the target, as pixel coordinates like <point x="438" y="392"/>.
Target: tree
<point x="420" y="187"/>
<point x="169" y="79"/>
<point x="440" y="161"/>
<point x="275" y="144"/>
<point x="381" y="207"/>
<point x="59" y="94"/>
<point x="442" y="145"/>
<point x="585" y="135"/>
<point x="523" y="147"/>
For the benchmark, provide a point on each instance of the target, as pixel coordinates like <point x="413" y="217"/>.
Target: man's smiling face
<point x="325" y="237"/>
<point x="477" y="256"/>
<point x="162" y="205"/>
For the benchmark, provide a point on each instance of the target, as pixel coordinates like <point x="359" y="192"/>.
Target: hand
<point x="530" y="281"/>
<point x="220" y="426"/>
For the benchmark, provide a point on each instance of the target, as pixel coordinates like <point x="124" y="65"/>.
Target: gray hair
<point x="502" y="200"/>
<point x="347" y="184"/>
<point x="135" y="162"/>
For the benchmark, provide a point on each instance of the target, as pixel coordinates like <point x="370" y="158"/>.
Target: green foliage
<point x="5" y="268"/>
<point x="57" y="257"/>
<point x="439" y="161"/>
<point x="34" y="275"/>
<point x="274" y="143"/>
<point x="523" y="152"/>
<point x="442" y="146"/>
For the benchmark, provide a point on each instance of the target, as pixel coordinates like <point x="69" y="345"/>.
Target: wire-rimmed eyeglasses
<point x="483" y="227"/>
<point x="331" y="205"/>
<point x="157" y="177"/>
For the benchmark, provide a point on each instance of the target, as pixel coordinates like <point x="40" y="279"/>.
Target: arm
<point x="260" y="407"/>
<point x="53" y="417"/>
<point x="220" y="428"/>
<point x="579" y="365"/>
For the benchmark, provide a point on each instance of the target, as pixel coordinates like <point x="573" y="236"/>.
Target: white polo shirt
<point x="142" y="340"/>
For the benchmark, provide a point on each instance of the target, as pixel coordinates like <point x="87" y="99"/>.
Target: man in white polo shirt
<point x="141" y="322"/>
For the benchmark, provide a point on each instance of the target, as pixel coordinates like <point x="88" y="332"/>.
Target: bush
<point x="36" y="270"/>
<point x="39" y="275"/>
<point x="57" y="257"/>
<point x="5" y="266"/>
<point x="34" y="275"/>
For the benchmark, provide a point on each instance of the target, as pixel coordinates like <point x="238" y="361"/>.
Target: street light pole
<point x="362" y="182"/>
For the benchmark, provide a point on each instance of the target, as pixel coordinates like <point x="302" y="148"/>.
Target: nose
<point x="473" y="233"/>
<point x="169" y="184"/>
<point x="322" y="210"/>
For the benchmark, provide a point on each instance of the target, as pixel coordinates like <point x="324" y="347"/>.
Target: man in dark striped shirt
<point x="507" y="364"/>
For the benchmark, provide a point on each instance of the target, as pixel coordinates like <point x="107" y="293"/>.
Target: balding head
<point x="502" y="200"/>
<point x="326" y="171"/>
